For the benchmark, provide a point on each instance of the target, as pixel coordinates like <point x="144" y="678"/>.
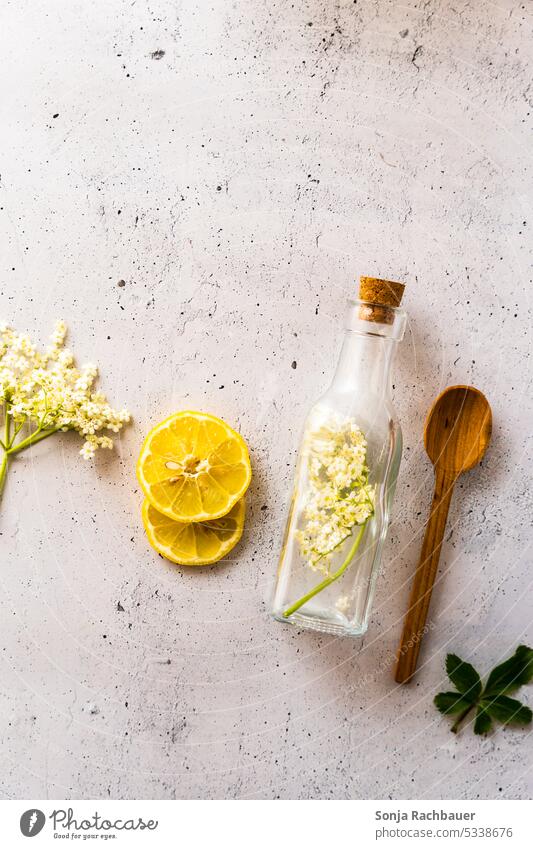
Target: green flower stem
<point x="7" y="426"/>
<point x="9" y="448"/>
<point x="7" y="436"/>
<point x="3" y="471"/>
<point x="16" y="432"/>
<point x="33" y="439"/>
<point x="330" y="579"/>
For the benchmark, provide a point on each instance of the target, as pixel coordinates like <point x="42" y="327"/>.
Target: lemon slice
<point x="193" y="543"/>
<point x="193" y="467"/>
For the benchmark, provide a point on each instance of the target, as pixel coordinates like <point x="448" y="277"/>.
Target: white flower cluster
<point x="340" y="496"/>
<point x="47" y="390"/>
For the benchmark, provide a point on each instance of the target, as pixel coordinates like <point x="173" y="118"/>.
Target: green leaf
<point x="507" y="710"/>
<point x="464" y="676"/>
<point x="450" y="703"/>
<point x="483" y="722"/>
<point x="492" y="703"/>
<point x="511" y="674"/>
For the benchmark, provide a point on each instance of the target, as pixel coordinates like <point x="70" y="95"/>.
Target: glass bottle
<point x="345" y="477"/>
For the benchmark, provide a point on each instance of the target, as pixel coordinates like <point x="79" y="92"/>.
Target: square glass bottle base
<point x="323" y="626"/>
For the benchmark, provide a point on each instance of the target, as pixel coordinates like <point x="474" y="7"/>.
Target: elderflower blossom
<point x="47" y="390"/>
<point x="339" y="496"/>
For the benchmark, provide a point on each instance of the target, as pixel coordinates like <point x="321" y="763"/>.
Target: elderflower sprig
<point x="339" y="500"/>
<point x="44" y="392"/>
<point x="340" y="495"/>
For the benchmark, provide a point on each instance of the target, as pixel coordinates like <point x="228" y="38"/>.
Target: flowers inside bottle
<point x="338" y="505"/>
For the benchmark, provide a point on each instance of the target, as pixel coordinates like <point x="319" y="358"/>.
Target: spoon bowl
<point x="458" y="429"/>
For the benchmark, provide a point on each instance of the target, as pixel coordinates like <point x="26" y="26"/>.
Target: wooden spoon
<point x="456" y="436"/>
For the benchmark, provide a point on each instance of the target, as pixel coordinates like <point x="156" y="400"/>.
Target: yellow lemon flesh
<point x="193" y="467"/>
<point x="193" y="543"/>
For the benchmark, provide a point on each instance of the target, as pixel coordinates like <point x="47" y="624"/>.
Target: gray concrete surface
<point x="238" y="165"/>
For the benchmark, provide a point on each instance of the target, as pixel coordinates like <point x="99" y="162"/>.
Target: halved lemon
<point x="194" y="467"/>
<point x="193" y="543"/>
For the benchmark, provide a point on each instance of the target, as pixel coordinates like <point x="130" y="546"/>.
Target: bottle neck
<point x="365" y="364"/>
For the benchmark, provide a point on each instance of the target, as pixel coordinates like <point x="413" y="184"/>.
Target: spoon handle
<point x="415" y="619"/>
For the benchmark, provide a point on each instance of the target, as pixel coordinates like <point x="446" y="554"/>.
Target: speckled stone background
<point x="237" y="165"/>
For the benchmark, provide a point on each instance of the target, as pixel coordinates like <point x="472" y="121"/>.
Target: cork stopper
<point x="382" y="295"/>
